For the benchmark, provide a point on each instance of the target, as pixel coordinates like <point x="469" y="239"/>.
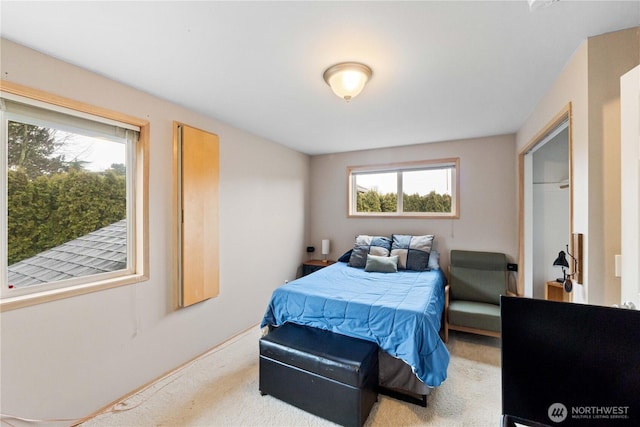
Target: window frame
<point x="138" y="198"/>
<point x="400" y="167"/>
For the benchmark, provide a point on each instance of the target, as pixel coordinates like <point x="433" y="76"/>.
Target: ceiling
<point x="442" y="70"/>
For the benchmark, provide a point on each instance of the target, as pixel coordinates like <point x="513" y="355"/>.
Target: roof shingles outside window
<point x="100" y="251"/>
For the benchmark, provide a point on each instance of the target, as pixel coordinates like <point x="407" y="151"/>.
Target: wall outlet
<point x="512" y="267"/>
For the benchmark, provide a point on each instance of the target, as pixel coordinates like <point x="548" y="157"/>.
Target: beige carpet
<point x="221" y="389"/>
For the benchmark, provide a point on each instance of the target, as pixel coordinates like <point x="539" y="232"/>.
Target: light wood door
<point x="197" y="161"/>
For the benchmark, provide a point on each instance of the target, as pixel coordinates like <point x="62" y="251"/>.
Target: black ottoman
<point x="329" y="375"/>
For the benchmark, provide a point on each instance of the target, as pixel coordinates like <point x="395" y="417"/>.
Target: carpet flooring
<point x="221" y="389"/>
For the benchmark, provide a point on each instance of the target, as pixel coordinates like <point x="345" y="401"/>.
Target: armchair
<point x="472" y="296"/>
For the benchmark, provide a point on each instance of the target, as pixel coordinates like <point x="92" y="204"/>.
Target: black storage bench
<point x="329" y="375"/>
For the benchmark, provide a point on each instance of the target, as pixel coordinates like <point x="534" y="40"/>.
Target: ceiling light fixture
<point x="347" y="79"/>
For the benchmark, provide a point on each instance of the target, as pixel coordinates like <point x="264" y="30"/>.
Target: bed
<point x="400" y="311"/>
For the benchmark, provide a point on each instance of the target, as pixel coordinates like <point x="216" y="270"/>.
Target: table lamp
<point x="325" y="249"/>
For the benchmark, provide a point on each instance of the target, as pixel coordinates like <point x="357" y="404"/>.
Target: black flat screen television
<point x="566" y="364"/>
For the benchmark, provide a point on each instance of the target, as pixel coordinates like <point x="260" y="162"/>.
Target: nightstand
<point x="312" y="265"/>
<point x="554" y="291"/>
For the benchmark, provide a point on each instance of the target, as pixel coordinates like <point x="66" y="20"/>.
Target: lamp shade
<point x="325" y="247"/>
<point x="347" y="79"/>
<point x="561" y="261"/>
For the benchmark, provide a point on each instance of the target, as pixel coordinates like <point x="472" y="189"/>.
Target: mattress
<point x="399" y="311"/>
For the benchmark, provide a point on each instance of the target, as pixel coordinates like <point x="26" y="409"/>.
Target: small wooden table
<point x="554" y="291"/>
<point x="312" y="265"/>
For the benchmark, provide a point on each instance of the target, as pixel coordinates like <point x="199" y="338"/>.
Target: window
<point x="74" y="189"/>
<point x="413" y="189"/>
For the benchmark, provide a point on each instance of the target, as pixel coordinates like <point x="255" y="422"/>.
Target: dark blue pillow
<point x="345" y="257"/>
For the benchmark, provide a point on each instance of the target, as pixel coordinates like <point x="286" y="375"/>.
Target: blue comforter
<point x="399" y="311"/>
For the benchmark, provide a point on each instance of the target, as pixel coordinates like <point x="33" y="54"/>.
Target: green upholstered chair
<point x="472" y="299"/>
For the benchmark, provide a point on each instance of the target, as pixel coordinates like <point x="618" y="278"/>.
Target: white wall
<point x="69" y="358"/>
<point x="488" y="218"/>
<point x="630" y="177"/>
<point x="551" y="231"/>
<point x="610" y="56"/>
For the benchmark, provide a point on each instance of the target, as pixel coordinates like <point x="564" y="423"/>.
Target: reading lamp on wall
<point x="562" y="262"/>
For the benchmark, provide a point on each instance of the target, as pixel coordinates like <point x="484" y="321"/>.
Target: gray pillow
<point x="381" y="264"/>
<point x="364" y="245"/>
<point x="412" y="251"/>
<point x="434" y="260"/>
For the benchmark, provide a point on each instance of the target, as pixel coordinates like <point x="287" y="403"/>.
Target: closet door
<point x="197" y="176"/>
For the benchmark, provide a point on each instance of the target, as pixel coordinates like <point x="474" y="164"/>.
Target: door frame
<point x="525" y="196"/>
<point x="630" y="184"/>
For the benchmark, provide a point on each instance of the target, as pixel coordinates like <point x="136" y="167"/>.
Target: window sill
<point x="404" y="216"/>
<point x="12" y="303"/>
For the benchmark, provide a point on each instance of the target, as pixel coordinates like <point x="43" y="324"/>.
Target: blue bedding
<point x="399" y="311"/>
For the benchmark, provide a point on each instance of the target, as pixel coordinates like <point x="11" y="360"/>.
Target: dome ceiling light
<point x="347" y="79"/>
